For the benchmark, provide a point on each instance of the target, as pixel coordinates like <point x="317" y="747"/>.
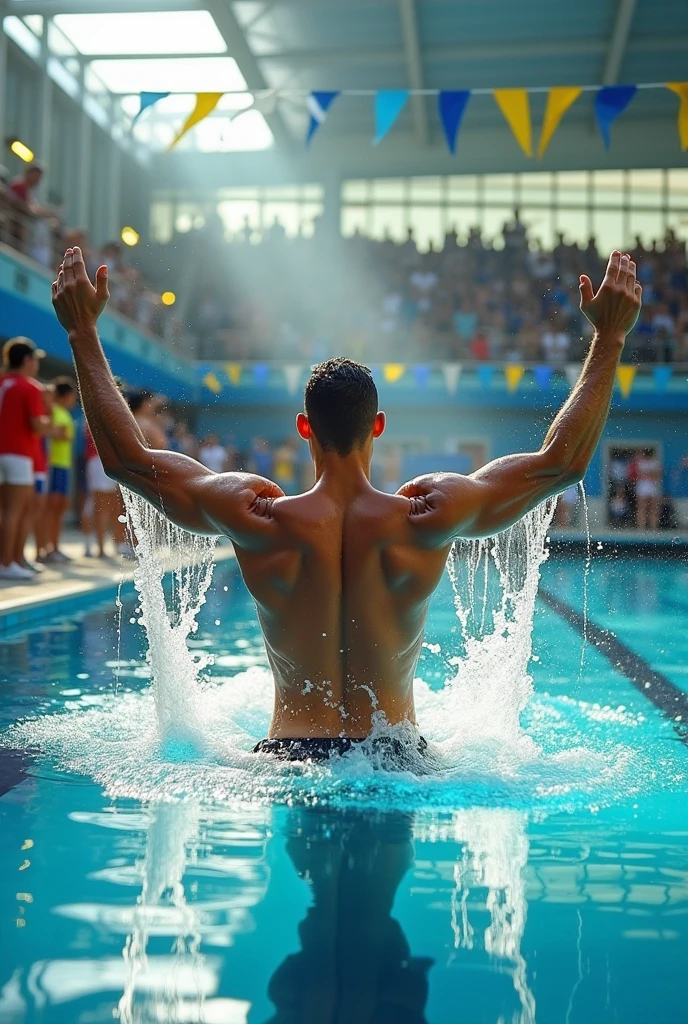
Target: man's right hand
<point x="77" y="303"/>
<point x="614" y="310"/>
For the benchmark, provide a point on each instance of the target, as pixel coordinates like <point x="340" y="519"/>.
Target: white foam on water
<point x="185" y="736"/>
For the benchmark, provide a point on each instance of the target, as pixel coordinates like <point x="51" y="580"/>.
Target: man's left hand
<point x="77" y="303"/>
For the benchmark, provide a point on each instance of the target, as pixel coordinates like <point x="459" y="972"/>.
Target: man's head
<point x="20" y="355"/>
<point x="33" y="175"/>
<point x="341" y="407"/>
<point x="141" y="402"/>
<point x="64" y="392"/>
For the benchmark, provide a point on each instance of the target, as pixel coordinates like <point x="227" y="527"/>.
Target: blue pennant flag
<point x="421" y="374"/>
<point x="485" y="372"/>
<point x="389" y="103"/>
<point x="543" y="375"/>
<point x="662" y="376"/>
<point x="451" y="104"/>
<point x="260" y="374"/>
<point x="611" y="100"/>
<point x="146" y="100"/>
<point x="318" y="104"/>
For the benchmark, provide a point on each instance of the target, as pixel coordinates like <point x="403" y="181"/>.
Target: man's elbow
<point x="123" y="466"/>
<point x="566" y="472"/>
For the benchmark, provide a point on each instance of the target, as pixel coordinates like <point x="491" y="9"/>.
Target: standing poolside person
<point x="342" y="575"/>
<point x="59" y="466"/>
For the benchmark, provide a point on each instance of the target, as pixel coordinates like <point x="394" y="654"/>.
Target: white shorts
<point x="647" y="489"/>
<point x="16" y="470"/>
<point x="96" y="480"/>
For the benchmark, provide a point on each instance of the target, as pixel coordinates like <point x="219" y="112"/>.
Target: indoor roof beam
<point x="414" y="67"/>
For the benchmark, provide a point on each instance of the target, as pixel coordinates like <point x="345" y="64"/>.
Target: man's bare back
<point x="342" y="575"/>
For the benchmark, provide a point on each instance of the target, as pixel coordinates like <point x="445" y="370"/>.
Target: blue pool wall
<point x="425" y="413"/>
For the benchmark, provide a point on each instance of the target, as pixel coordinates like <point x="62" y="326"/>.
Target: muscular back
<point x="342" y="596"/>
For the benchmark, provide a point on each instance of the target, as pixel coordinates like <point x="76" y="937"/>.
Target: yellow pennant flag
<point x="558" y="102"/>
<point x="625" y="375"/>
<point x="515" y="106"/>
<point x="205" y="104"/>
<point x="513" y="373"/>
<point x="393" y="372"/>
<point x="212" y="383"/>
<point x="233" y="371"/>
<point x="681" y="90"/>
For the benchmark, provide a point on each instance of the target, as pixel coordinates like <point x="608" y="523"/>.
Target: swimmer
<point x="342" y="575"/>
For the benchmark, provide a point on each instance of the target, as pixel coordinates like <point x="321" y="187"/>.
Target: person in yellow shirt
<point x="60" y="464"/>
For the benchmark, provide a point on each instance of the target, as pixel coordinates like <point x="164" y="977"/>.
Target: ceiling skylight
<point x="153" y="32"/>
<point x="174" y="74"/>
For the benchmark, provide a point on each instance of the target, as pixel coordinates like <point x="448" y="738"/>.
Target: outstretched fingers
<point x="613" y="265"/>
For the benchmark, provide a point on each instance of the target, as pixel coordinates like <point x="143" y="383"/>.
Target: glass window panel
<point x="540" y="224"/>
<point x="355" y="191"/>
<point x="354" y="218"/>
<point x="162" y="221"/>
<point x="536" y="188"/>
<point x="239" y="193"/>
<point x="678" y="188"/>
<point x="462" y="219"/>
<point x="426" y="222"/>
<point x="462" y="188"/>
<point x="607" y="188"/>
<point x="35" y="23"/>
<point x="388" y="190"/>
<point x="309" y="214"/>
<point x="312" y="191"/>
<point x="608" y="229"/>
<point x="287" y="192"/>
<point x="234" y="213"/>
<point x="426" y="190"/>
<point x="572" y="188"/>
<point x="23" y="36"/>
<point x="165" y="32"/>
<point x="58" y="42"/>
<point x="494" y="219"/>
<point x="499" y="189"/>
<point x="573" y="224"/>
<point x="678" y="220"/>
<point x="645" y="188"/>
<point x="389" y="220"/>
<point x="288" y="215"/>
<point x="648" y="225"/>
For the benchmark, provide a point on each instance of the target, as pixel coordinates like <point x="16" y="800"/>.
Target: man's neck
<point x="344" y="475"/>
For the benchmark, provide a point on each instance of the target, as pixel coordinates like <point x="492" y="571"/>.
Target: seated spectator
<point x="59" y="466"/>
<point x="212" y="454"/>
<point x="22" y="420"/>
<point x="555" y="345"/>
<point x="647" y="473"/>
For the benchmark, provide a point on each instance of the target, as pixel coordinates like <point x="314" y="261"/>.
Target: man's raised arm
<point x="237" y="504"/>
<point x="446" y="505"/>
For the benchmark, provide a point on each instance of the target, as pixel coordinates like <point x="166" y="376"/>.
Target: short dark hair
<point x="135" y="399"/>
<point x="63" y="386"/>
<point x="341" y="404"/>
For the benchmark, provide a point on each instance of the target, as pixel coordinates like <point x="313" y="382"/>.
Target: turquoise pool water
<point x="545" y="880"/>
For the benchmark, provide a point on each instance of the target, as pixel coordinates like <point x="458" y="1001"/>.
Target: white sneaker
<point x="15" y="572"/>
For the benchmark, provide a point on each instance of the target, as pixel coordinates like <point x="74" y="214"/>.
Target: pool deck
<point x="71" y="587"/>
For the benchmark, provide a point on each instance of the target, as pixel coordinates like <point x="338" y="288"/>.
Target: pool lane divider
<point x="655" y="686"/>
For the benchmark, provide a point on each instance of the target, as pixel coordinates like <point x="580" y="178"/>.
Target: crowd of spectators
<point x="269" y="296"/>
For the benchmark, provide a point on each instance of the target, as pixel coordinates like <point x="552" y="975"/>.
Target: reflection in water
<point x="355" y="963"/>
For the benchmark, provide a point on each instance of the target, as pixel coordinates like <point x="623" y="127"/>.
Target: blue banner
<point x="543" y="375"/>
<point x="485" y="373"/>
<point x="421" y="375"/>
<point x="611" y="100"/>
<point x="260" y="374"/>
<point x="147" y="99"/>
<point x="389" y="103"/>
<point x="662" y="375"/>
<point x="451" y="104"/>
<point x="318" y="104"/>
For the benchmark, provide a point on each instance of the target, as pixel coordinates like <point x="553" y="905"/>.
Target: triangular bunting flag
<point x="625" y="375"/>
<point x="389" y="103"/>
<point x="485" y="372"/>
<point x="146" y="100"/>
<point x="205" y="104"/>
<point x="513" y="373"/>
<point x="421" y="374"/>
<point x="662" y="376"/>
<point x="611" y="100"/>
<point x="318" y="104"/>
<point x="681" y="90"/>
<point x="392" y="372"/>
<point x="233" y="371"/>
<point x="514" y="104"/>
<point x="451" y="104"/>
<point x="452" y="374"/>
<point x="212" y="383"/>
<point x="260" y="374"/>
<point x="543" y="376"/>
<point x="292" y="375"/>
<point x="558" y="102"/>
<point x="573" y="372"/>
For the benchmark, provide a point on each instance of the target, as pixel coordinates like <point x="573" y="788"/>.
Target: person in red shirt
<point x="22" y="419"/>
<point x="40" y="479"/>
<point x="23" y="187"/>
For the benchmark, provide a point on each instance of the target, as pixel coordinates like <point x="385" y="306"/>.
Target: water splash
<point x="161" y="546"/>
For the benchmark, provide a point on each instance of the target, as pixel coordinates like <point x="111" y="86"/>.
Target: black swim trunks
<point x="321" y="748"/>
